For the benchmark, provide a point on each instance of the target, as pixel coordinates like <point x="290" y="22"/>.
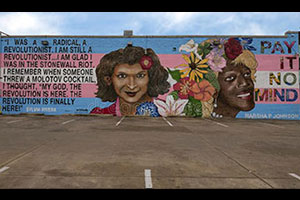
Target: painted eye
<point x="229" y="78"/>
<point x="141" y="75"/>
<point x="121" y="76"/>
<point x="247" y="75"/>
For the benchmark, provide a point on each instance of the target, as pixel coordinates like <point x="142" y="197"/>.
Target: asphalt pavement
<point x="107" y="152"/>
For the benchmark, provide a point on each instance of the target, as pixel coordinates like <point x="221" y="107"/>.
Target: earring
<point x="215" y="103"/>
<point x="214" y="114"/>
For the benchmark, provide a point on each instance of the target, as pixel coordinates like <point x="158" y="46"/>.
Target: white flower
<point x="170" y="107"/>
<point x="190" y="46"/>
<point x="171" y="80"/>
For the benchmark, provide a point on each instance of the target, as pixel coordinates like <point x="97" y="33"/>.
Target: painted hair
<point x="247" y="58"/>
<point x="131" y="55"/>
<point x="218" y="53"/>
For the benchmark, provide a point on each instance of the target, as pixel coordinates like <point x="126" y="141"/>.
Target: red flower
<point x="233" y="48"/>
<point x="146" y="62"/>
<point x="184" y="88"/>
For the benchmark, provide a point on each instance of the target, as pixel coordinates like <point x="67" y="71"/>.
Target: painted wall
<point x="253" y="77"/>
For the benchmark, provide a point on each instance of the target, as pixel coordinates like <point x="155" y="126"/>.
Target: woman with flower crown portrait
<point x="216" y="78"/>
<point x="131" y="78"/>
<point x="236" y="81"/>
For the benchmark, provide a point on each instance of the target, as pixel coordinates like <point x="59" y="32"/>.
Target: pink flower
<point x="184" y="88"/>
<point x="215" y="61"/>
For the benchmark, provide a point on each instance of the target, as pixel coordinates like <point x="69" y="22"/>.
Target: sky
<point x="149" y="23"/>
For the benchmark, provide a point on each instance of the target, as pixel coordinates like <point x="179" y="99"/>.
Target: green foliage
<point x="204" y="49"/>
<point x="212" y="79"/>
<point x="193" y="108"/>
<point x="175" y="95"/>
<point x="175" y="74"/>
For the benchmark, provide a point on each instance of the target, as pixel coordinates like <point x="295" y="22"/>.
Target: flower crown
<point x="196" y="79"/>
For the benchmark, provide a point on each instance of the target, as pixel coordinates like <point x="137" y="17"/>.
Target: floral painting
<point x="197" y="87"/>
<point x="133" y="78"/>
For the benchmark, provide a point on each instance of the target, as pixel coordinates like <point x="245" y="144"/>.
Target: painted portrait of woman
<point x="236" y="82"/>
<point x="131" y="78"/>
<point x="217" y="77"/>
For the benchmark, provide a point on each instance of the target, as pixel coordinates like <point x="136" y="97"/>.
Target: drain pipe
<point x="1" y="58"/>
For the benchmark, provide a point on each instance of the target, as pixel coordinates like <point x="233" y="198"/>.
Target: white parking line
<point x="277" y="126"/>
<point x="148" y="179"/>
<point x="68" y="121"/>
<point x="10" y="122"/>
<point x="3" y="169"/>
<point x="170" y="124"/>
<point x="295" y="175"/>
<point x="119" y="122"/>
<point x="220" y="124"/>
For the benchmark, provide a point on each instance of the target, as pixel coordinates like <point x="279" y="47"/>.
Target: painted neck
<point x="225" y="110"/>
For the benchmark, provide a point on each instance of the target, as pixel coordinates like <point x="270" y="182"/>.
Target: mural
<point x="217" y="78"/>
<point x="131" y="78"/>
<point x="253" y="77"/>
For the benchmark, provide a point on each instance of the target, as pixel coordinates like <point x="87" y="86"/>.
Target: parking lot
<point x="68" y="151"/>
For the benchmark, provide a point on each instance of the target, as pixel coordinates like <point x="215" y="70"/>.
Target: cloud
<point x="261" y="23"/>
<point x="149" y="23"/>
<point x="223" y="23"/>
<point x="173" y="22"/>
<point x="30" y="23"/>
<point x="200" y="23"/>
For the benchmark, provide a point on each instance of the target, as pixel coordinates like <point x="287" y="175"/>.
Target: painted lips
<point x="245" y="95"/>
<point x="131" y="94"/>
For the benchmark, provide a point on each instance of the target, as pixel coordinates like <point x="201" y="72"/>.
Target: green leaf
<point x="193" y="108"/>
<point x="175" y="74"/>
<point x="204" y="49"/>
<point x="212" y="79"/>
<point x="207" y="45"/>
<point x="174" y="94"/>
<point x="205" y="52"/>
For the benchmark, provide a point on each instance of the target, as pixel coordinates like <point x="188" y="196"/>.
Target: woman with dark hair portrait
<point x="236" y="86"/>
<point x="236" y="81"/>
<point x="131" y="78"/>
<point x="219" y="77"/>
